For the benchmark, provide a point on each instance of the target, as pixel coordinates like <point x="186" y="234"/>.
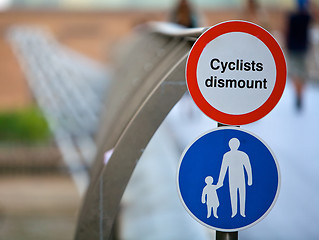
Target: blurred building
<point x="134" y="4"/>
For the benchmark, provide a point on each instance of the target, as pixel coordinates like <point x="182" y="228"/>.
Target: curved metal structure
<point x="149" y="82"/>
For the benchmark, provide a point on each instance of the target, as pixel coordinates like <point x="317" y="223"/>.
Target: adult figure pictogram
<point x="236" y="162"/>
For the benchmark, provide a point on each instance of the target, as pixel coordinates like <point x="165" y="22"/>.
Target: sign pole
<point x="233" y="86"/>
<point x="224" y="125"/>
<point x="226" y="235"/>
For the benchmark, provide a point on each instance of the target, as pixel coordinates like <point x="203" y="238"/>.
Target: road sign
<point x="228" y="179"/>
<point x="236" y="72"/>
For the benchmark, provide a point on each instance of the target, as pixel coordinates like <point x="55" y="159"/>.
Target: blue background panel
<point x="204" y="158"/>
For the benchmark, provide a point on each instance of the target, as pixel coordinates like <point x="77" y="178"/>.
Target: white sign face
<point x="234" y="77"/>
<point x="236" y="72"/>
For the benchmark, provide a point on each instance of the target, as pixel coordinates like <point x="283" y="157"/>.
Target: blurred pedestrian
<point x="184" y="14"/>
<point x="297" y="44"/>
<point x="255" y="13"/>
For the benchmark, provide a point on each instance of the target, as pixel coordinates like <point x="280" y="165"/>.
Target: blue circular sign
<point x="228" y="179"/>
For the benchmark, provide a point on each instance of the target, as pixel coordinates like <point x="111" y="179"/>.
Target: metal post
<point x="225" y="235"/>
<point x="224" y="125"/>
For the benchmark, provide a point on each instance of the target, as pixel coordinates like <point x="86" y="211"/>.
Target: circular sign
<point x="228" y="179"/>
<point x="236" y="72"/>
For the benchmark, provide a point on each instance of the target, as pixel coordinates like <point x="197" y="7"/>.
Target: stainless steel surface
<point x="147" y="99"/>
<point x="174" y="30"/>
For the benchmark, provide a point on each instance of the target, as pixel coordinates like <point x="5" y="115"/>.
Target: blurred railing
<point x="69" y="89"/>
<point x="149" y="81"/>
<point x="102" y="126"/>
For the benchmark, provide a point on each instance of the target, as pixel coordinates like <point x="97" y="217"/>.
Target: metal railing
<point x="149" y="83"/>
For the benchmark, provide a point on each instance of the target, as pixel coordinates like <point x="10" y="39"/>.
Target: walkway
<point x="152" y="210"/>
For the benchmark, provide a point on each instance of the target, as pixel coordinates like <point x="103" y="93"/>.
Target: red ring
<point x="192" y="62"/>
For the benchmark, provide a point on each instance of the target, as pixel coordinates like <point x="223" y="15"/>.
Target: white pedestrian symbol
<point x="236" y="163"/>
<point x="209" y="196"/>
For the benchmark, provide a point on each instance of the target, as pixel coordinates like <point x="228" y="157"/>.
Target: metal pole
<point x="225" y="235"/>
<point x="224" y="125"/>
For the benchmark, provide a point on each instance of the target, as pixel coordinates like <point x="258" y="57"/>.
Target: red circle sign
<point x="236" y="72"/>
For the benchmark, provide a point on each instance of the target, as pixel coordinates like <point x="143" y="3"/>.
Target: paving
<point x="38" y="207"/>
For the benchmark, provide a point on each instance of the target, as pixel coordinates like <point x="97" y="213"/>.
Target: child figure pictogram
<point x="209" y="196"/>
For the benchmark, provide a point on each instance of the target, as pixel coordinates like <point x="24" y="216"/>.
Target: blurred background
<point x="62" y="40"/>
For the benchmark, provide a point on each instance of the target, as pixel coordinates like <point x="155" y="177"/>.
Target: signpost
<point x="229" y="179"/>
<point x="236" y="72"/>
